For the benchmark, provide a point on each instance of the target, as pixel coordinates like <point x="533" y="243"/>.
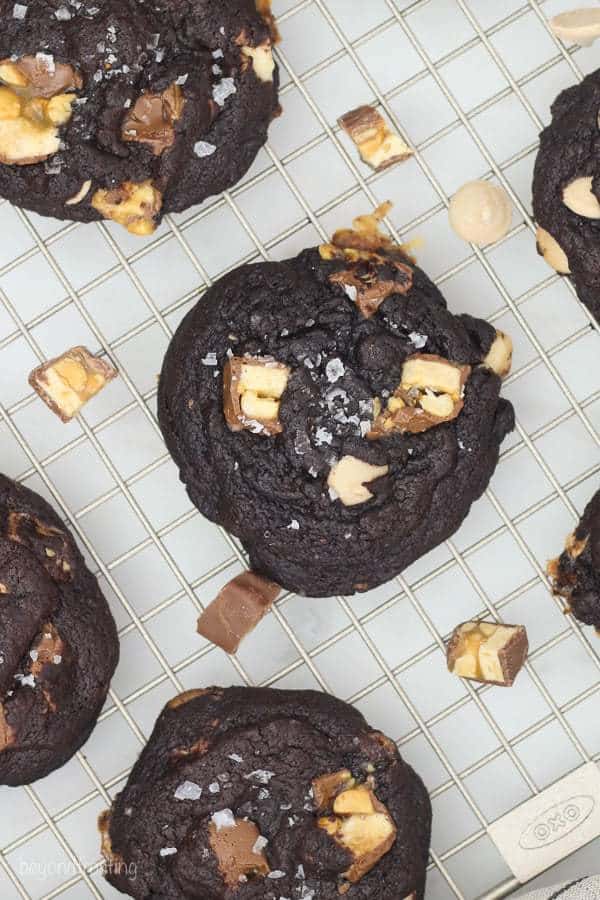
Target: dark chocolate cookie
<point x="127" y="110"/>
<point x="332" y="413"/>
<point x="265" y="795"/>
<point x="576" y="573"/>
<point x="58" y="641"/>
<point x="566" y="189"/>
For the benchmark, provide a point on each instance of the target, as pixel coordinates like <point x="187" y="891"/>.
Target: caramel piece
<point x="70" y="380"/>
<point x="327" y="787"/>
<point x="48" y="650"/>
<point x="234" y="848"/>
<point x="187" y="696"/>
<point x="362" y="282"/>
<point x="7" y="734"/>
<point x="362" y="825"/>
<point x="152" y="119"/>
<point x="347" y="479"/>
<point x="263" y="8"/>
<point x="135" y="206"/>
<point x="378" y="146"/>
<point x="237" y="610"/>
<point x="430" y="393"/>
<point x="252" y="390"/>
<point x="367" y="250"/>
<point x="488" y="652"/>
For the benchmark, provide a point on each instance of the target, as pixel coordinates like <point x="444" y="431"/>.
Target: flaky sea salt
<point x="203" y="148"/>
<point x="294" y="525"/>
<point x="351" y="292"/>
<point x="262" y="776"/>
<point x="214" y="788"/>
<point x="167" y="851"/>
<point x="209" y="360"/>
<point x="62" y="14"/>
<point x="189" y="790"/>
<point x="334" y="370"/>
<point x="25" y="680"/>
<point x="224" y="89"/>
<point x="48" y="60"/>
<point x="181" y="79"/>
<point x="417" y="340"/>
<point x="259" y="844"/>
<point x="19" y="11"/>
<point x="275" y="874"/>
<point x="235" y="757"/>
<point x="224" y="818"/>
<point x="34" y="655"/>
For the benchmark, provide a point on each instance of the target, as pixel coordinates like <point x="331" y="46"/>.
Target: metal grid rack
<point x="469" y="83"/>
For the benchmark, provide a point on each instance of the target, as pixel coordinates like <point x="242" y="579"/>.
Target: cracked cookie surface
<point x="58" y="641"/>
<point x="254" y="793"/>
<point x="127" y="110"/>
<point x="290" y="399"/>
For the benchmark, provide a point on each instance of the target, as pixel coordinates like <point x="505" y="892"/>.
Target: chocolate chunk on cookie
<point x="126" y="111"/>
<point x="575" y="574"/>
<point x="566" y="189"/>
<point x="268" y="794"/>
<point x="58" y="641"/>
<point x="332" y="413"/>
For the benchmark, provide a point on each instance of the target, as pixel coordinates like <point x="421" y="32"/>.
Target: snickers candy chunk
<point x="126" y="111"/>
<point x="575" y="574"/>
<point x="66" y="383"/>
<point x="258" y="793"/>
<point x="332" y="414"/>
<point x="488" y="652"/>
<point x="58" y="645"/>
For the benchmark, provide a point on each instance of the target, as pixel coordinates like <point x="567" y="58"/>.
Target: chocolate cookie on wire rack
<point x="263" y="795"/>
<point x="126" y="110"/>
<point x="58" y="641"/>
<point x="332" y="413"/>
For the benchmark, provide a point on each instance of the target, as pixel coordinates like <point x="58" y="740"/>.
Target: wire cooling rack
<point x="469" y="83"/>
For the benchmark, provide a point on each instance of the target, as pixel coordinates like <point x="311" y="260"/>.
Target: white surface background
<point x="469" y="83"/>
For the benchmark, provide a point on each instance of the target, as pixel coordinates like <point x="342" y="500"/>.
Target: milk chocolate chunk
<point x="488" y="652"/>
<point x="238" y="851"/>
<point x="39" y="76"/>
<point x="430" y="393"/>
<point x="378" y="146"/>
<point x="363" y="826"/>
<point x="237" y="610"/>
<point x="70" y="380"/>
<point x="152" y="119"/>
<point x="364" y="283"/>
<point x="252" y="390"/>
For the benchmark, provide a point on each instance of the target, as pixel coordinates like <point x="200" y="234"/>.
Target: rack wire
<point x="481" y="751"/>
